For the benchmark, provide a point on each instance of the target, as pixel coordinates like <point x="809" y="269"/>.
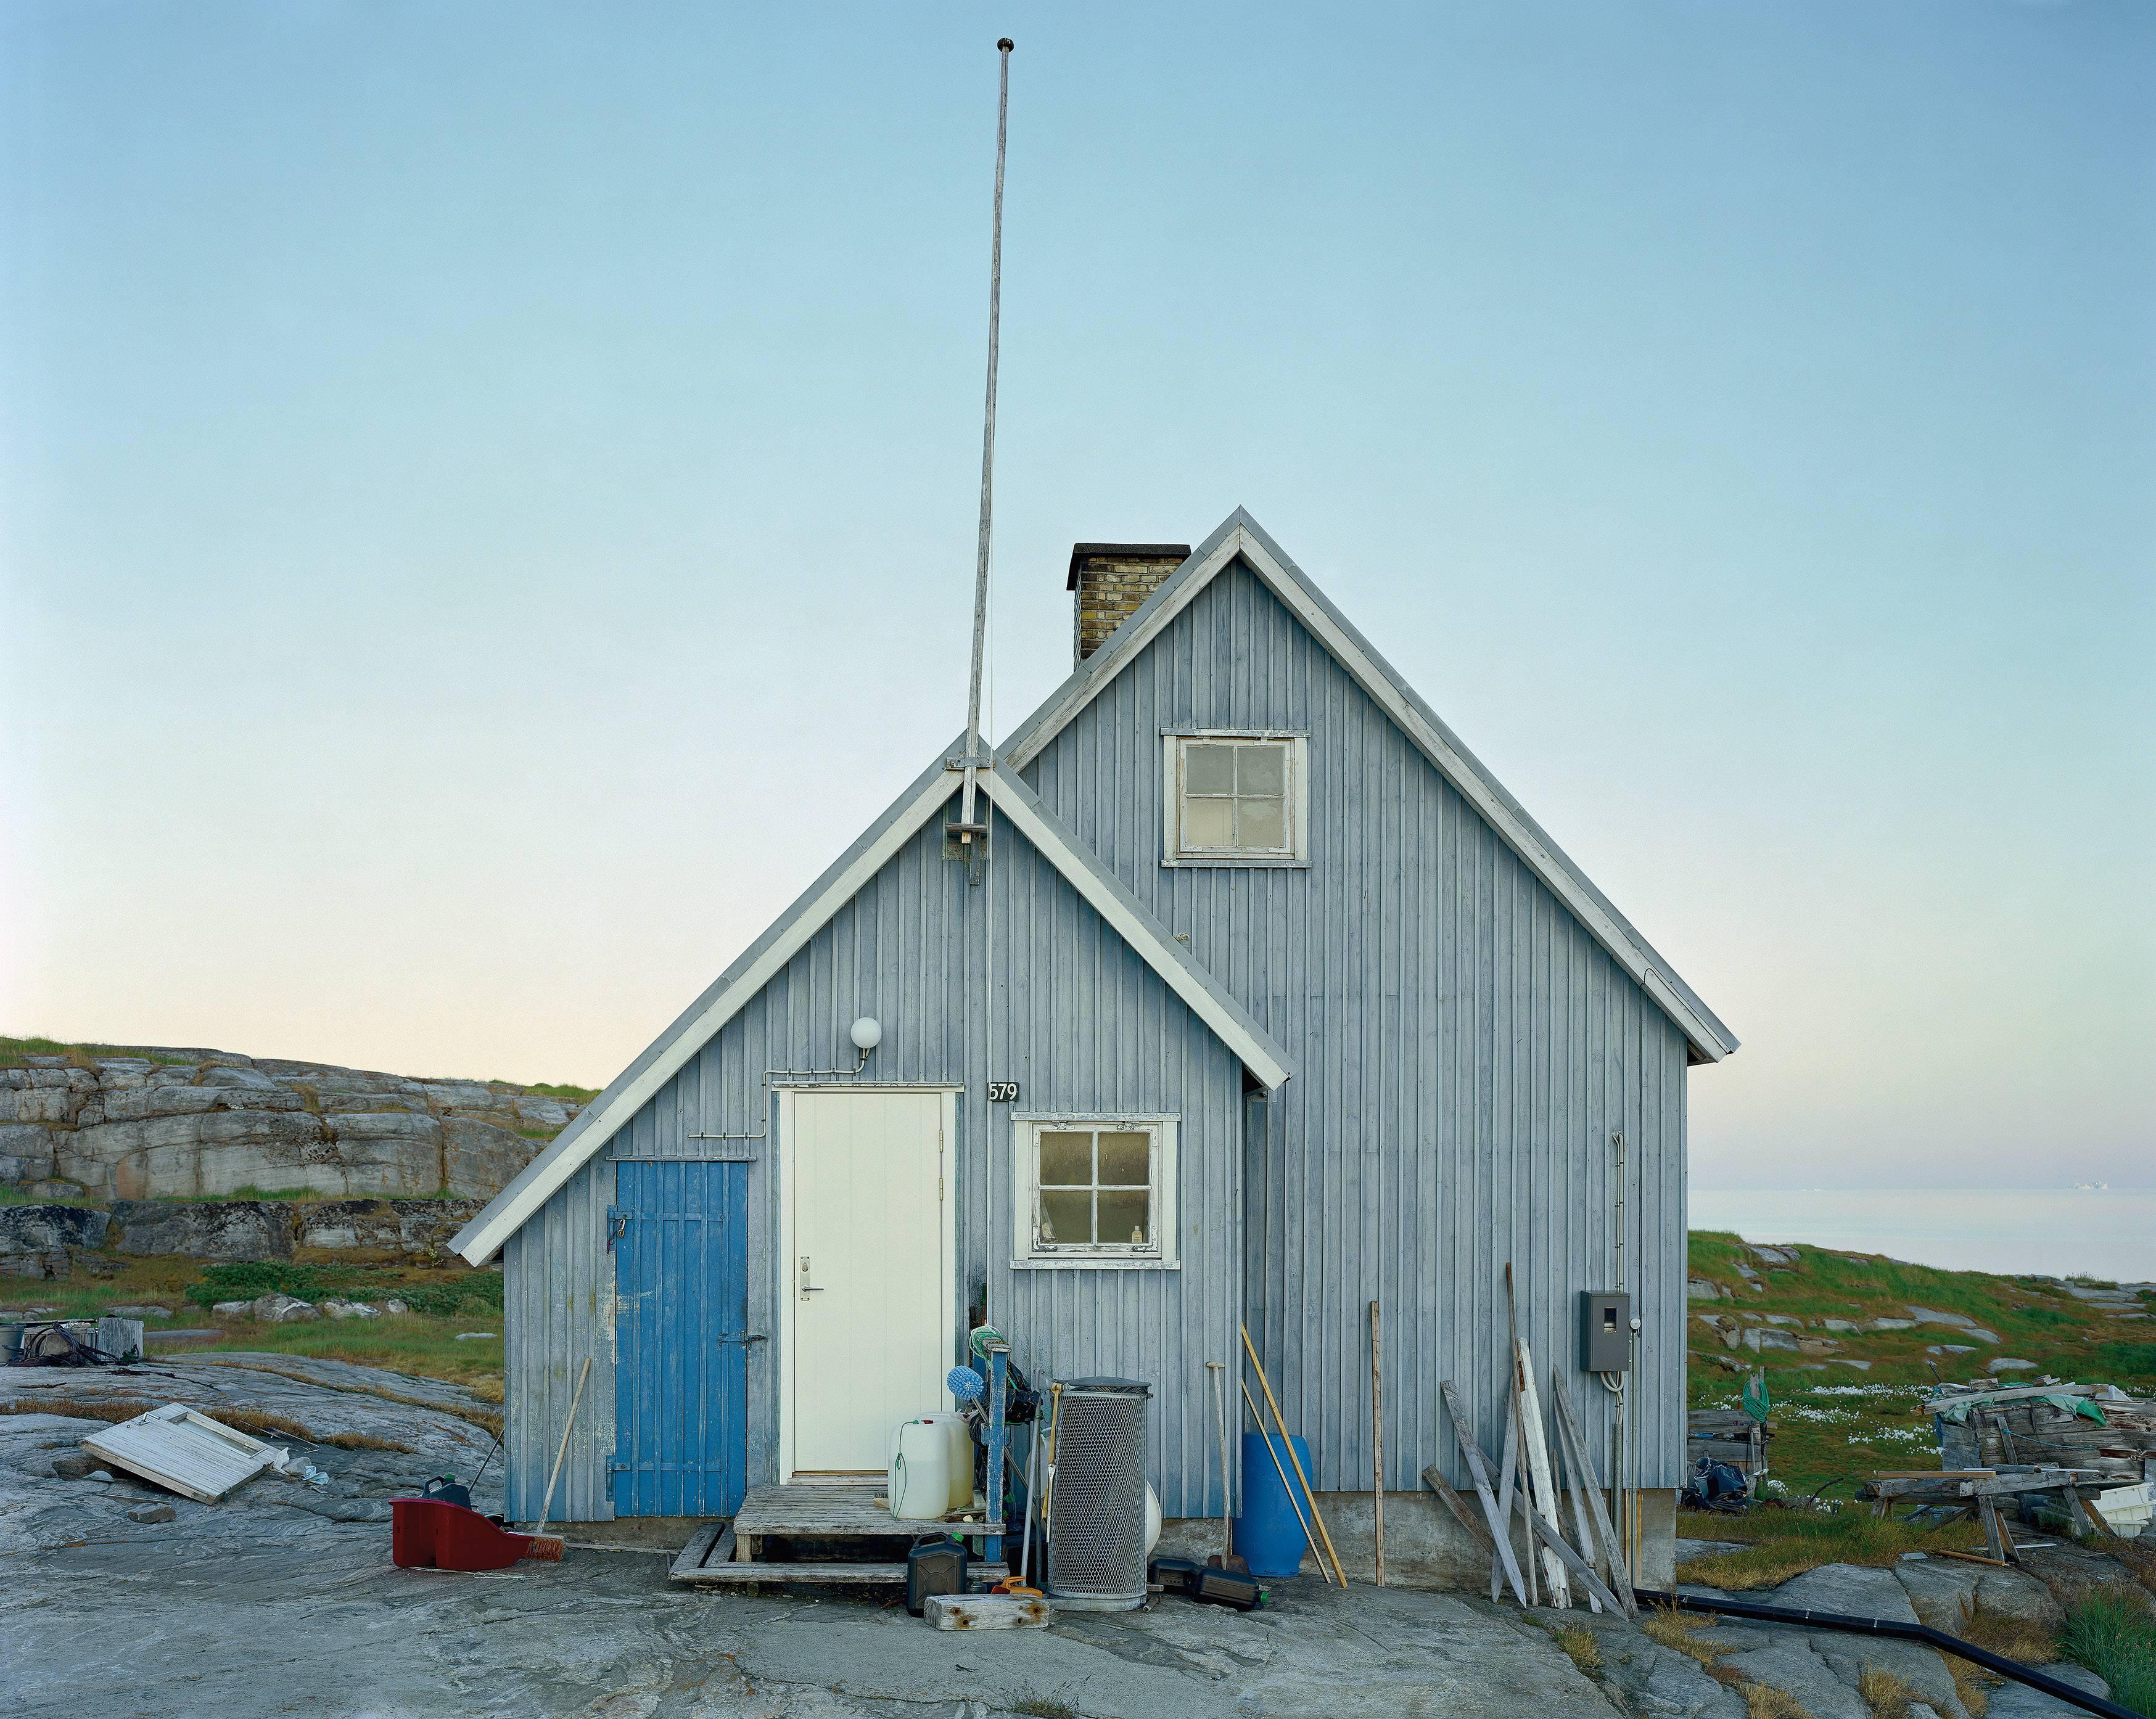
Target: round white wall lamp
<point x="866" y="1033"/>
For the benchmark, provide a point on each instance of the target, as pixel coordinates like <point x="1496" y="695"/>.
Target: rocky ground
<point x="282" y="1600"/>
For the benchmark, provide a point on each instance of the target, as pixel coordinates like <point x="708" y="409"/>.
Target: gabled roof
<point x="608" y="1113"/>
<point x="1241" y="536"/>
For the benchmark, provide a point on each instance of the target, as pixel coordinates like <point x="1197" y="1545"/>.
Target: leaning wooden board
<point x="183" y="1452"/>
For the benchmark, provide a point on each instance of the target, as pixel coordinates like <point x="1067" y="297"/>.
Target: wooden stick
<point x="1512" y="1496"/>
<point x="1970" y="1557"/>
<point x="1537" y="1445"/>
<point x="1378" y="1445"/>
<point x="1280" y="1425"/>
<point x="1434" y="1478"/>
<point x="1282" y="1473"/>
<point x="1584" y="1477"/>
<point x="1478" y="1472"/>
<point x="1554" y="1541"/>
<point x="1215" y="1370"/>
<point x="547" y="1505"/>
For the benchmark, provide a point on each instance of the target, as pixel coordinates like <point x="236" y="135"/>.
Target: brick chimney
<point x="1109" y="581"/>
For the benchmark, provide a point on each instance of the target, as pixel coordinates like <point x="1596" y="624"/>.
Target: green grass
<point x="582" y="1095"/>
<point x="1832" y="1422"/>
<point x="471" y="1295"/>
<point x="2110" y="1631"/>
<point x="1782" y="1543"/>
<point x="15" y="1052"/>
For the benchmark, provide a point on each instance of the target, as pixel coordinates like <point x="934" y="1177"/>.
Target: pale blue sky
<point x="486" y="494"/>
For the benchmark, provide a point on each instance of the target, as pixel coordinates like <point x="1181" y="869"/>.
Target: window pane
<point x="1261" y="824"/>
<point x="1261" y="770"/>
<point x="1066" y="1215"/>
<point x="1209" y="770"/>
<point x="1125" y="1158"/>
<point x="1066" y="1159"/>
<point x="1126" y="1218"/>
<point x="1208" y="823"/>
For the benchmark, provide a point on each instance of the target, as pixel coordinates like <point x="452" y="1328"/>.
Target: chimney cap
<point x="1176" y="552"/>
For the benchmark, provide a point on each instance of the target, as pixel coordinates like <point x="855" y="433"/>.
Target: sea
<point x="2106" y="1232"/>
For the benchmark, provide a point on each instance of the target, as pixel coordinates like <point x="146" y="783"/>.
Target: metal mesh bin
<point x="1096" y="1501"/>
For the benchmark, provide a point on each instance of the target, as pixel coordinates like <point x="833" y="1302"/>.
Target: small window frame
<point x="1175" y="744"/>
<point x="1029" y="1253"/>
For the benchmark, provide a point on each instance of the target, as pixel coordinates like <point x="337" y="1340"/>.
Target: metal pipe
<point x="988" y="450"/>
<point x="1938" y="1638"/>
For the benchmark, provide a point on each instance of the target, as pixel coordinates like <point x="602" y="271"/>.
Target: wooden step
<point x="850" y="1510"/>
<point x="709" y="1561"/>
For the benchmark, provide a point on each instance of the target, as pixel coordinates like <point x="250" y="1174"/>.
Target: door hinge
<point x="744" y="1337"/>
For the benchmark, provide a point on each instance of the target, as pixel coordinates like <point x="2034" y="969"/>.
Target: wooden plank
<point x="1571" y="1560"/>
<point x="824" y="1575"/>
<point x="692" y="1556"/>
<point x="1508" y="1496"/>
<point x="850" y="1511"/>
<point x="1454" y="1502"/>
<point x="1478" y="1469"/>
<point x="1987" y="1507"/>
<point x="1539" y="1471"/>
<point x="1584" y="1476"/>
<point x="986" y="1611"/>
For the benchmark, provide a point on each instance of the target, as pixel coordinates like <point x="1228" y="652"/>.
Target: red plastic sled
<point x="430" y="1534"/>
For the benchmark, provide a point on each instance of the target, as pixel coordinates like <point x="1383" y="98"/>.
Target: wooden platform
<point x="726" y="1555"/>
<point x="837" y="1510"/>
<point x="709" y="1560"/>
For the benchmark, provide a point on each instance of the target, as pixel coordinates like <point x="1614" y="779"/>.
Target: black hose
<point x="1938" y="1638"/>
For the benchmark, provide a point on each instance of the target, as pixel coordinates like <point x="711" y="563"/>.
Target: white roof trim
<point x="1112" y="899"/>
<point x="612" y="1111"/>
<point x="1240" y="536"/>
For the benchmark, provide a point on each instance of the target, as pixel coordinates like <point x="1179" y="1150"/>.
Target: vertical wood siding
<point x="1465" y="1052"/>
<point x="557" y="1307"/>
<point x="1074" y="1016"/>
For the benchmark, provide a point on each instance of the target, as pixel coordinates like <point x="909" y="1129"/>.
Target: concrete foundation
<point x="1425" y="1547"/>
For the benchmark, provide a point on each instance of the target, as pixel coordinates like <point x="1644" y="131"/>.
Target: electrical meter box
<point x="1606" y="1331"/>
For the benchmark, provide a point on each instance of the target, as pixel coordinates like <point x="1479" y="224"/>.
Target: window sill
<point x="1249" y="862"/>
<point x="1096" y="1262"/>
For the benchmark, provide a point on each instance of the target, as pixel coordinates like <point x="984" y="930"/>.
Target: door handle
<point x="808" y="1289"/>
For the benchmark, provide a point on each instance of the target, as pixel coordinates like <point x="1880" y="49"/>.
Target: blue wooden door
<point x="679" y="1233"/>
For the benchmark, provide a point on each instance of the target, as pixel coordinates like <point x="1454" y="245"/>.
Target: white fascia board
<point x="1241" y="535"/>
<point x="608" y="1113"/>
<point x="1108" y="896"/>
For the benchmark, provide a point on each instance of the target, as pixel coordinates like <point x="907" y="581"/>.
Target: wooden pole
<point x="1377" y="1443"/>
<point x="1282" y="1473"/>
<point x="547" y="1504"/>
<point x="1216" y="1370"/>
<point x="1534" y="1446"/>
<point x="1499" y="1513"/>
<point x="1273" y="1403"/>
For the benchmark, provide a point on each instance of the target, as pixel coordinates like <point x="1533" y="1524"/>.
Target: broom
<point x="547" y="1548"/>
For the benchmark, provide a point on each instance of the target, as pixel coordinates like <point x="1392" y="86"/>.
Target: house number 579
<point x="1003" y="1092"/>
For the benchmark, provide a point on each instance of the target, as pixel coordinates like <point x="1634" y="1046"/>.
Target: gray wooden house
<point x="1260" y="1000"/>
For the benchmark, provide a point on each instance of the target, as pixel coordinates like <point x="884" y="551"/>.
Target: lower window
<point x="1095" y="1191"/>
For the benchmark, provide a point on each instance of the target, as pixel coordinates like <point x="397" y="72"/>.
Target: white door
<point x="869" y="1286"/>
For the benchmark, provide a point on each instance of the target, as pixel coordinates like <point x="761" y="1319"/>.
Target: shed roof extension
<point x="1239" y="536"/>
<point x="665" y="1056"/>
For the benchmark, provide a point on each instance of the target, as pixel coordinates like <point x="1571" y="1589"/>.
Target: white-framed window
<point x="1236" y="798"/>
<point x="1095" y="1191"/>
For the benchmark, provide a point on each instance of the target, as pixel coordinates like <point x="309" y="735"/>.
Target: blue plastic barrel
<point x="1267" y="1534"/>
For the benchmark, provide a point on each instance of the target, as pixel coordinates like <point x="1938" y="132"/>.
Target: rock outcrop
<point x="195" y="1124"/>
<point x="46" y="1241"/>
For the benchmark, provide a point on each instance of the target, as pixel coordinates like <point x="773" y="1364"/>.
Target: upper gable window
<point x="1236" y="799"/>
